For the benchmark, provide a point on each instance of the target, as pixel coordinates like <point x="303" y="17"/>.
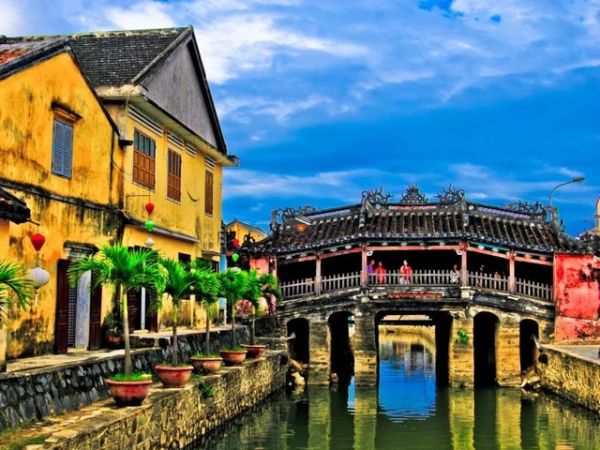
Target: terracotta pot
<point x="174" y="376"/>
<point x="254" y="351"/>
<point x="129" y="393"/>
<point x="233" y="357"/>
<point x="113" y="341"/>
<point x="210" y="365"/>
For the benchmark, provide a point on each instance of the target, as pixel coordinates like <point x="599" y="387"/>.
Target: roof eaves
<point x="44" y="52"/>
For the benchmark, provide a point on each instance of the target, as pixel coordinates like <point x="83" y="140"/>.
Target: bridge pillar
<point x="508" y="363"/>
<point x="318" y="344"/>
<point x="461" y="365"/>
<point x="365" y="350"/>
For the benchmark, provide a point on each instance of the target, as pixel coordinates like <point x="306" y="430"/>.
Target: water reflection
<point x="408" y="411"/>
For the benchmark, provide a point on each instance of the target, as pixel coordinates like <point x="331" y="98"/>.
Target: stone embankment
<point x="573" y="372"/>
<point x="32" y="394"/>
<point x="168" y="418"/>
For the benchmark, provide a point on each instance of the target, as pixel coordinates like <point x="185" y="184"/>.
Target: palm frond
<point x="178" y="281"/>
<point x="233" y="285"/>
<point x="13" y="280"/>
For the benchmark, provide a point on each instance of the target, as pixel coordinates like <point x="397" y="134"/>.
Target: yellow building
<point x="56" y="137"/>
<point x="154" y="137"/>
<point x="236" y="229"/>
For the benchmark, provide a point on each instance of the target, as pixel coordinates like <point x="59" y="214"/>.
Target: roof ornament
<point x="375" y="198"/>
<point x="533" y="209"/>
<point x="413" y="196"/>
<point x="450" y="195"/>
<point x="300" y="211"/>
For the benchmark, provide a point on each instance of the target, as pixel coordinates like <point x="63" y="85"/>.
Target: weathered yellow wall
<point x="241" y="231"/>
<point x="4" y="231"/>
<point x="26" y="125"/>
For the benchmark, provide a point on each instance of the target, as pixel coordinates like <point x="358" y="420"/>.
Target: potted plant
<point x="178" y="285"/>
<point x="206" y="288"/>
<point x="125" y="270"/>
<point x="233" y="286"/>
<point x="268" y="294"/>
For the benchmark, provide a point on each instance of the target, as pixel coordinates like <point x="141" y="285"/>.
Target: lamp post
<point x="553" y="210"/>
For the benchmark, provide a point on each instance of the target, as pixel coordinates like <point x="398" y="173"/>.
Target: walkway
<point x="586" y="352"/>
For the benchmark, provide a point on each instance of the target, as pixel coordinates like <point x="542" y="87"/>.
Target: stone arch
<point x="299" y="348"/>
<point x="529" y="330"/>
<point x="485" y="329"/>
<point x="341" y="355"/>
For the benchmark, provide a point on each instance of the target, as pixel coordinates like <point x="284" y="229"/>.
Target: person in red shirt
<point x="380" y="272"/>
<point x="406" y="272"/>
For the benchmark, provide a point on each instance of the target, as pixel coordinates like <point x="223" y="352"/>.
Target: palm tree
<point x="234" y="284"/>
<point x="13" y="278"/>
<point x="206" y="289"/>
<point x="178" y="285"/>
<point x="264" y="286"/>
<point x="125" y="270"/>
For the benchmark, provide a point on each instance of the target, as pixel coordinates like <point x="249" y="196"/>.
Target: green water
<point x="408" y="411"/>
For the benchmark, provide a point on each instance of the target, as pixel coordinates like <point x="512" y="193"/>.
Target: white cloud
<point x="142" y="15"/>
<point x="10" y="17"/>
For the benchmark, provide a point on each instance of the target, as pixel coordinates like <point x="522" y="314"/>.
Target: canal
<point x="409" y="411"/>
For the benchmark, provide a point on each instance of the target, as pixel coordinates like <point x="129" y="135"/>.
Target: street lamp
<point x="552" y="209"/>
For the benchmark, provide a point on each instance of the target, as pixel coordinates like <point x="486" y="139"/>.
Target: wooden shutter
<point x="95" y="319"/>
<point x="144" y="160"/>
<point x="208" y="193"/>
<point x="61" y="331"/>
<point x="57" y="147"/>
<point x="174" y="176"/>
<point x="133" y="305"/>
<point x="67" y="150"/>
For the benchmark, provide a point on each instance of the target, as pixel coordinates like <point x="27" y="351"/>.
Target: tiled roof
<point x="414" y="221"/>
<point x="13" y="209"/>
<point x="15" y="54"/>
<point x="117" y="58"/>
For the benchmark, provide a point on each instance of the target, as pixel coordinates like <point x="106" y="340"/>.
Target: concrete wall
<point x="576" y="378"/>
<point x="176" y="418"/>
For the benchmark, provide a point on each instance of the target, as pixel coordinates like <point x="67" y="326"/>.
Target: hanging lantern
<point x="39" y="277"/>
<point x="37" y="240"/>
<point x="235" y="242"/>
<point x="150" y="208"/>
<point x="149" y="224"/>
<point x="149" y="242"/>
<point x="235" y="257"/>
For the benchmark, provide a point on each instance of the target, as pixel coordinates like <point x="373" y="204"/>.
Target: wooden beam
<point x="533" y="261"/>
<point x="488" y="252"/>
<point x="341" y="252"/>
<point x="388" y="248"/>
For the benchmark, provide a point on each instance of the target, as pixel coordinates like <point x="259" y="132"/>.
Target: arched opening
<point x="528" y="332"/>
<point x="298" y="346"/>
<point x="341" y="355"/>
<point x="485" y="326"/>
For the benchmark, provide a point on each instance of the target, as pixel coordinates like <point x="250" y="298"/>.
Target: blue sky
<point x="322" y="100"/>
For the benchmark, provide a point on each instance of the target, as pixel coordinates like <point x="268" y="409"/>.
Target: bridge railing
<point x="533" y="289"/>
<point x="477" y="280"/>
<point x="340" y="281"/>
<point x="417" y="277"/>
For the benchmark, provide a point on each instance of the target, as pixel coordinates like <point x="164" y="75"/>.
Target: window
<point x="144" y="158"/>
<point x="208" y="193"/>
<point x="174" y="176"/>
<point x="62" y="148"/>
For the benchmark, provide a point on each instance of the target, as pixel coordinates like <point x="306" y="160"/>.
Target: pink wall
<point x="577" y="293"/>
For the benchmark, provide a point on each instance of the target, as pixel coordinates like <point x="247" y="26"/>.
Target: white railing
<point x="341" y="281"/>
<point x="298" y="288"/>
<point x="417" y="277"/>
<point x="533" y="289"/>
<point x="477" y="280"/>
<point x="488" y="281"/>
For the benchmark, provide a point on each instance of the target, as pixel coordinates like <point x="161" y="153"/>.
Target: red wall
<point x="577" y="293"/>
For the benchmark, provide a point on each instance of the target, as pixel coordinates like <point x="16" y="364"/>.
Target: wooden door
<point x="95" y="318"/>
<point x="133" y="306"/>
<point x="61" y="331"/>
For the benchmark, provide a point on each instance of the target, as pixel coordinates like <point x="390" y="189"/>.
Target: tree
<point x="125" y="270"/>
<point x="264" y="286"/>
<point x="179" y="282"/>
<point x="206" y="288"/>
<point x="234" y="284"/>
<point x="13" y="279"/>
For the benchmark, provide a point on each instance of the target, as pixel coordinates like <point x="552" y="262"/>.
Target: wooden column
<point x="464" y="274"/>
<point x="511" y="272"/>
<point x="318" y="275"/>
<point x="364" y="276"/>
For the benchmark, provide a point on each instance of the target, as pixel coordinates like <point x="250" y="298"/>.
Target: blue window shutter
<point x="68" y="151"/>
<point x="57" y="148"/>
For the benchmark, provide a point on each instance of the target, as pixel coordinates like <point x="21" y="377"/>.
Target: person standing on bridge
<point x="406" y="272"/>
<point x="380" y="272"/>
<point x="370" y="270"/>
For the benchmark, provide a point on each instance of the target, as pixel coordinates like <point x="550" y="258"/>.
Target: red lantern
<point x="235" y="243"/>
<point x="37" y="240"/>
<point x="150" y="207"/>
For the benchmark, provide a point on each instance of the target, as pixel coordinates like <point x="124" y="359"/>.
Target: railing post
<point x="318" y="275"/>
<point x="464" y="274"/>
<point x="364" y="276"/>
<point x="511" y="272"/>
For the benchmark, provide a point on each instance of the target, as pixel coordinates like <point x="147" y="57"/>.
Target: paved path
<point x="587" y="352"/>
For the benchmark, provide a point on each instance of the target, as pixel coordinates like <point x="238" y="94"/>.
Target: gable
<point x="177" y="87"/>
